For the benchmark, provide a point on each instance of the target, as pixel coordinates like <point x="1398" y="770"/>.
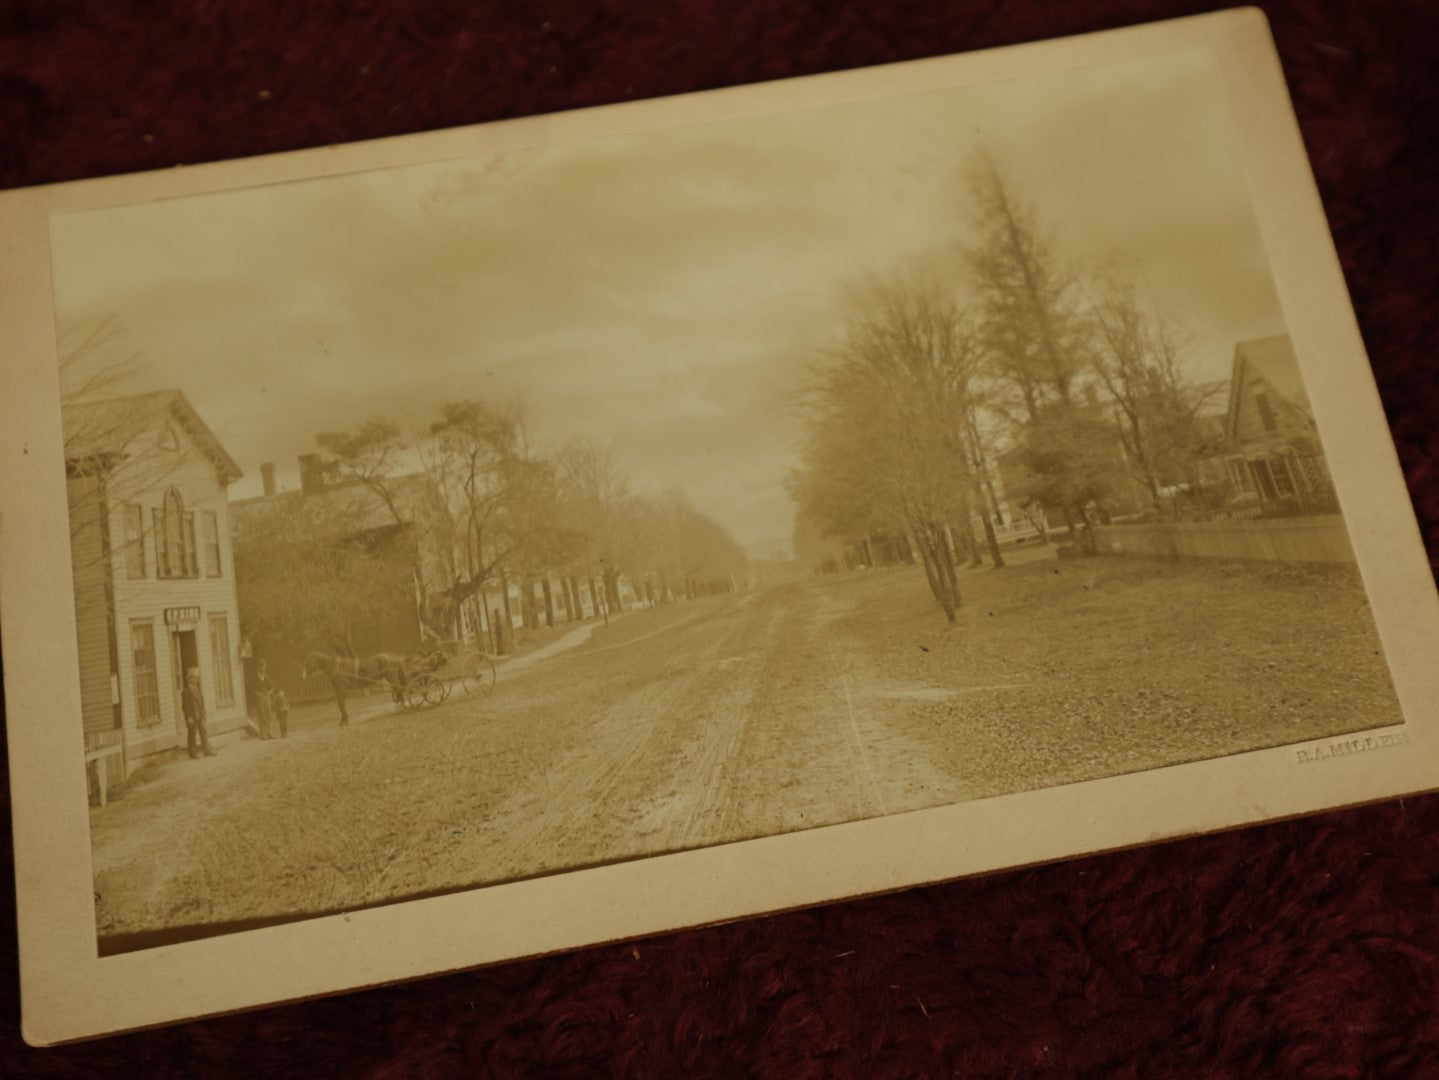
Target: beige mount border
<point x="69" y="993"/>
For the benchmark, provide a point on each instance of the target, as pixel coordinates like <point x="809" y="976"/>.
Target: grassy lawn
<point x="1066" y="670"/>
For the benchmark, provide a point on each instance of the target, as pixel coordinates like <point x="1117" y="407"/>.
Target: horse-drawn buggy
<point x="414" y="681"/>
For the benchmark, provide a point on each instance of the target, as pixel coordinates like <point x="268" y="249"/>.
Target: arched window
<point x="174" y="534"/>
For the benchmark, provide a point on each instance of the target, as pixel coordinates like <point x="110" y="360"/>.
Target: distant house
<point x="1272" y="452"/>
<point x="154" y="575"/>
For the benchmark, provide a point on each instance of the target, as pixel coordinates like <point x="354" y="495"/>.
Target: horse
<point x="351" y="672"/>
<point x="362" y="672"/>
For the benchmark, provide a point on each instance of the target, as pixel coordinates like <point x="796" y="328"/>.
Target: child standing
<point x="281" y="704"/>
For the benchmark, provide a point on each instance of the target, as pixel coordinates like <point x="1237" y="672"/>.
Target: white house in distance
<point x="154" y="576"/>
<point x="1272" y="443"/>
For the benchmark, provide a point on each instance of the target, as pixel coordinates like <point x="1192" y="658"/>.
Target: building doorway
<point x="183" y="657"/>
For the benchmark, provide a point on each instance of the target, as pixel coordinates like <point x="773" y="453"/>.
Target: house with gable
<point x="1272" y="453"/>
<point x="147" y="483"/>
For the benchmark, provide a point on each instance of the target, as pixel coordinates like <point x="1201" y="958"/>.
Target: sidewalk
<point x="364" y="705"/>
<point x="576" y="637"/>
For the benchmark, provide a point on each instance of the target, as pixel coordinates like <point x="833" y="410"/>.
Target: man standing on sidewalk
<point x="260" y="692"/>
<point x="193" y="705"/>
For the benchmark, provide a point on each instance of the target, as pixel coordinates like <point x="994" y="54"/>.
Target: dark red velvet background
<point x="1307" y="949"/>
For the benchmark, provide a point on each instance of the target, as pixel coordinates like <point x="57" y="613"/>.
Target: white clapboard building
<point x="154" y="576"/>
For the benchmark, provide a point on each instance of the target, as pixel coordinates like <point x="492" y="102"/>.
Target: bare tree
<point x="95" y="359"/>
<point x="1156" y="406"/>
<point x="891" y="438"/>
<point x="814" y="545"/>
<point x="484" y="508"/>
<point x="689" y="549"/>
<point x="114" y="450"/>
<point x="601" y="507"/>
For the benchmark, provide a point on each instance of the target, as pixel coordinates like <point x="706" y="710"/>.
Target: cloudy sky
<point x="660" y="292"/>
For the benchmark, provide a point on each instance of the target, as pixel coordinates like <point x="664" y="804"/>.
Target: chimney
<point x="267" y="477"/>
<point x="311" y="476"/>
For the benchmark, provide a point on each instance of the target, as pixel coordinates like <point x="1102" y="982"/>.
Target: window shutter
<point x="212" y="543"/>
<point x="192" y="553"/>
<point x="162" y="552"/>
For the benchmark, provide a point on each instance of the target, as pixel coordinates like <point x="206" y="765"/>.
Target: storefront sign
<point x="174" y="616"/>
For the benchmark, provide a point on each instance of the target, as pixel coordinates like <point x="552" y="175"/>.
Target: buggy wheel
<point x="436" y="689"/>
<point x="477" y="673"/>
<point x="417" y="691"/>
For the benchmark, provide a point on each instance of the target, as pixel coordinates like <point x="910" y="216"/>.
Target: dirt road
<point x="674" y="728"/>
<point x="722" y="719"/>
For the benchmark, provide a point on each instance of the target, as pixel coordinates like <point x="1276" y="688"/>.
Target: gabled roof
<point x="105" y="428"/>
<point x="1273" y="360"/>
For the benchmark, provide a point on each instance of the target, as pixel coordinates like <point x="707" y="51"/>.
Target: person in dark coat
<point x="192" y="703"/>
<point x="260" y="690"/>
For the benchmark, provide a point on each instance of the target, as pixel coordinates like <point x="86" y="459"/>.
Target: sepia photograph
<point x="466" y="547"/>
<point x="567" y="506"/>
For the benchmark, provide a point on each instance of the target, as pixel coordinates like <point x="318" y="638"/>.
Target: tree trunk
<point x="930" y="571"/>
<point x="1152" y="483"/>
<point x="993" y="542"/>
<point x="499" y="629"/>
<point x="549" y="602"/>
<point x="971" y="548"/>
<point x="943" y="572"/>
<point x="505" y="600"/>
<point x="989" y="489"/>
<point x="527" y="605"/>
<point x="951" y="579"/>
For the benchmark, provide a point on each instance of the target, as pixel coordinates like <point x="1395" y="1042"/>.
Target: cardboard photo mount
<point x="71" y="993"/>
